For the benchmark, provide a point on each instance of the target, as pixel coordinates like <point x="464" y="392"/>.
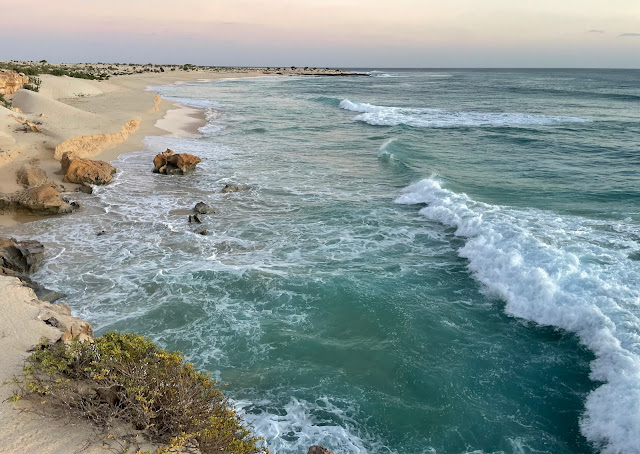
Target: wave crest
<point x="436" y="118"/>
<point x="565" y="272"/>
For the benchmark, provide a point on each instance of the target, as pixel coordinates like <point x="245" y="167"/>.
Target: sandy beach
<point x="65" y="109"/>
<point x="113" y="117"/>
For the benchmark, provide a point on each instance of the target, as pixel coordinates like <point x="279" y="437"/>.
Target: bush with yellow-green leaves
<point x="126" y="377"/>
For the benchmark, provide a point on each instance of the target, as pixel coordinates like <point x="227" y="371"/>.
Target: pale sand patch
<point x="183" y="121"/>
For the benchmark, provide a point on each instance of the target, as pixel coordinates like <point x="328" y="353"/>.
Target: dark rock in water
<point x="85" y="188"/>
<point x="635" y="255"/>
<point x="202" y="231"/>
<point x="194" y="219"/>
<point x="101" y="233"/>
<point x="320" y="450"/>
<point x="170" y="163"/>
<point x="20" y="257"/>
<point x="43" y="293"/>
<point x="234" y="188"/>
<point x="203" y="208"/>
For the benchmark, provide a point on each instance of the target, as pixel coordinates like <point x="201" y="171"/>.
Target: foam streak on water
<point x="436" y="118"/>
<point x="528" y="259"/>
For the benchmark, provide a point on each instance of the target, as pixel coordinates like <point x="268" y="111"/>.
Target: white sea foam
<point x="301" y="424"/>
<point x="566" y="272"/>
<point x="192" y="102"/>
<point x="436" y="118"/>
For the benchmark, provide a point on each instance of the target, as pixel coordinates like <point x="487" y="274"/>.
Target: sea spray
<point x="557" y="283"/>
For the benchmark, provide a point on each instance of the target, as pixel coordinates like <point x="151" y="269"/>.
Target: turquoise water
<point x="427" y="261"/>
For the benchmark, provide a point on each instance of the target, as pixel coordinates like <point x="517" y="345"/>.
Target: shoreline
<point x="25" y="426"/>
<point x="95" y="108"/>
<point x="25" y="320"/>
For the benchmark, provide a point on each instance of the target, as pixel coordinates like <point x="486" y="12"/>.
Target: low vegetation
<point x="4" y="102"/>
<point x="34" y="84"/>
<point x="125" y="377"/>
<point x="35" y="69"/>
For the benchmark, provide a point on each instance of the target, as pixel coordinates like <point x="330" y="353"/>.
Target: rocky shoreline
<point x="44" y="308"/>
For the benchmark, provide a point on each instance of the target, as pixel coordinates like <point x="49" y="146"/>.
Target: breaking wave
<point x="568" y="272"/>
<point x="436" y="118"/>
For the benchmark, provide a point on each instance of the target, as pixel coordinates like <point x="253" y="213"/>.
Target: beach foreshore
<point x="98" y="120"/>
<point x="114" y="116"/>
<point x="66" y="108"/>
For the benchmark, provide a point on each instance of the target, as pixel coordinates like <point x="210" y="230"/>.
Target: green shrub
<point x="128" y="378"/>
<point x="34" y="83"/>
<point x="5" y="102"/>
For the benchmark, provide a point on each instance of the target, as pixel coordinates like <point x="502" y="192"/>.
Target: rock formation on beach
<point x="31" y="176"/>
<point x="85" y="146"/>
<point x="20" y="257"/>
<point x="39" y="200"/>
<point x="86" y="171"/>
<point x="170" y="163"/>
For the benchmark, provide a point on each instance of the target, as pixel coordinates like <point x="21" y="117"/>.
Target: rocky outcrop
<point x="85" y="171"/>
<point x="11" y="82"/>
<point x="29" y="126"/>
<point x="86" y="146"/>
<point x="320" y="450"/>
<point x="40" y="200"/>
<point x="20" y="257"/>
<point x="170" y="163"/>
<point x="234" y="188"/>
<point x="31" y="176"/>
<point x="203" y="208"/>
<point x="59" y="316"/>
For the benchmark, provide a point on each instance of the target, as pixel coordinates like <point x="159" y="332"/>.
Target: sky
<point x="327" y="33"/>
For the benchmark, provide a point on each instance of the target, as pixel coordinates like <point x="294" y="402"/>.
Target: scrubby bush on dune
<point x="34" y="84"/>
<point x="35" y="70"/>
<point x="4" y="102"/>
<point x="128" y="378"/>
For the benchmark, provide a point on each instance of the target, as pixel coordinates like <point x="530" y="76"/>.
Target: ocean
<point x="427" y="261"/>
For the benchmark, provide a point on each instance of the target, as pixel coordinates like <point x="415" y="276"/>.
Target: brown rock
<point x="170" y="163"/>
<point x="86" y="171"/>
<point x="30" y="176"/>
<point x="21" y="257"/>
<point x="30" y="126"/>
<point x="11" y="82"/>
<point x="59" y="316"/>
<point x="43" y="199"/>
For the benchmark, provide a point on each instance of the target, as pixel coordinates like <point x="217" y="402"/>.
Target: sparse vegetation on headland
<point x="103" y="71"/>
<point x="127" y="378"/>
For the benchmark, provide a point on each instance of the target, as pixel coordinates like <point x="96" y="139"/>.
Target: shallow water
<point x="426" y="261"/>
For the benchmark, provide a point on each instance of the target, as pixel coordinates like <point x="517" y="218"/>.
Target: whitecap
<point x="537" y="264"/>
<point x="437" y="118"/>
